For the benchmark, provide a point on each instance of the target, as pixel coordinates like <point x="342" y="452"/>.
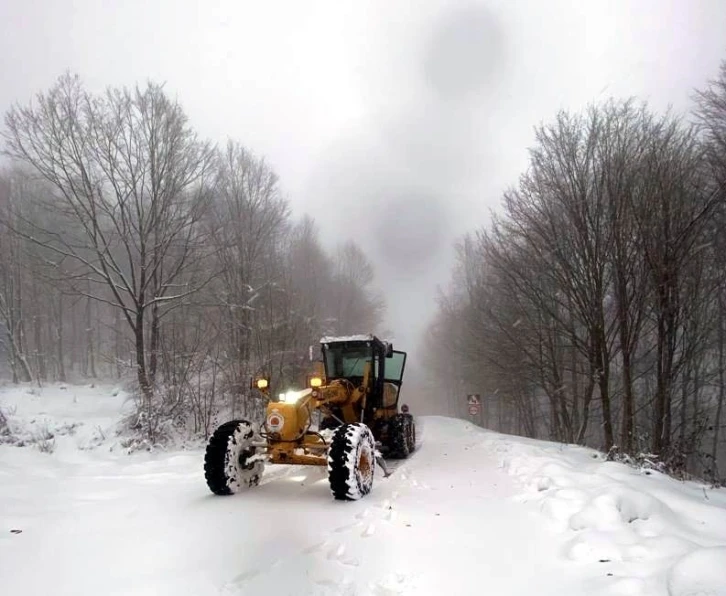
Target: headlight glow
<point x="290" y="397"/>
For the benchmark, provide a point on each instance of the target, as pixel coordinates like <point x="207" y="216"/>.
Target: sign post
<point x="474" y="401"/>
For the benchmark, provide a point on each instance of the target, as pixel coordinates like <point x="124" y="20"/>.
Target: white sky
<point x="394" y="123"/>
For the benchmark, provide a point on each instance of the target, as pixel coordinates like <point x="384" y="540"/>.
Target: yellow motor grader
<point x="355" y="393"/>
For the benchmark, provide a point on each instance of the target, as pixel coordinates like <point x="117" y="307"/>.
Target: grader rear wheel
<point x="411" y="434"/>
<point x="399" y="443"/>
<point x="351" y="462"/>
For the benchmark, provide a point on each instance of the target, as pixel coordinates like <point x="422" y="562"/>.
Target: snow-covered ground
<point x="471" y="512"/>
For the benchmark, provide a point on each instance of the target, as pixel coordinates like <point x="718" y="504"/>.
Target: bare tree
<point x="11" y="287"/>
<point x="133" y="179"/>
<point x="670" y="216"/>
<point x="248" y="222"/>
<point x="711" y="115"/>
<point x="591" y="293"/>
<point x="134" y="244"/>
<point x="356" y="305"/>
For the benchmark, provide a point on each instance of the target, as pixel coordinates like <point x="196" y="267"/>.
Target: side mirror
<point x="311" y="355"/>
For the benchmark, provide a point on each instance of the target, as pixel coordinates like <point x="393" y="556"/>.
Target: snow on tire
<point x="230" y="462"/>
<point x="351" y="462"/>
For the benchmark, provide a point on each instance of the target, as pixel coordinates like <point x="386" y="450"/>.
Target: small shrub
<point x="46" y="445"/>
<point x="4" y="428"/>
<point x="44" y="440"/>
<point x="7" y="436"/>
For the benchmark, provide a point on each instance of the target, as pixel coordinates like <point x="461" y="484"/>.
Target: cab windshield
<point x="346" y="361"/>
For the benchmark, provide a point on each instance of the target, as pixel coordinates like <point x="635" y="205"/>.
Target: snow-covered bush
<point x="10" y="434"/>
<point x="44" y="440"/>
<point x="684" y="453"/>
<point x="189" y="409"/>
<point x="4" y="427"/>
<point x="673" y="466"/>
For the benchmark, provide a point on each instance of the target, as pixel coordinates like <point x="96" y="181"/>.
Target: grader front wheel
<point x="351" y="462"/>
<point x="229" y="463"/>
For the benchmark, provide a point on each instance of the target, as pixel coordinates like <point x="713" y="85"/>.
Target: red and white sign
<point x="473" y="410"/>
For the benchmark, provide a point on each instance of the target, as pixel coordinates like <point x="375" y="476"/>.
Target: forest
<point x="132" y="248"/>
<point x="590" y="310"/>
<point x="593" y="309"/>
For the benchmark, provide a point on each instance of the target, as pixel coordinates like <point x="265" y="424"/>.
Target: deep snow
<point x="471" y="512"/>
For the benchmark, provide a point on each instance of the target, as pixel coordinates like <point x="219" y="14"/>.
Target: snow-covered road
<point x="471" y="512"/>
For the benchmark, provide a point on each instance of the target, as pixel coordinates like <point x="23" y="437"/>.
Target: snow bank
<point x="653" y="534"/>
<point x="471" y="512"/>
<point x="62" y="416"/>
<point x="701" y="572"/>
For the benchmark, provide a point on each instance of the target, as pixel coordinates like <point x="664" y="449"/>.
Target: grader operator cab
<point x="356" y="395"/>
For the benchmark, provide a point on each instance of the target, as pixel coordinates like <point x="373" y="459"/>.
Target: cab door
<point x="393" y="371"/>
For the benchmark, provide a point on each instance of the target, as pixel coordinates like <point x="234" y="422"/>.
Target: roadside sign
<point x="473" y="410"/>
<point x="474" y="399"/>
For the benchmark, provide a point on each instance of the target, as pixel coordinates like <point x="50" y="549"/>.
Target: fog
<point x="395" y="124"/>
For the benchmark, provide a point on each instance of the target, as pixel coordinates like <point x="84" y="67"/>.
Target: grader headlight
<point x="315" y="382"/>
<point x="261" y="383"/>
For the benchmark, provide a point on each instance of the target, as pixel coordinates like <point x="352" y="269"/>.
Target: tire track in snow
<point x="346" y="538"/>
<point x="339" y="561"/>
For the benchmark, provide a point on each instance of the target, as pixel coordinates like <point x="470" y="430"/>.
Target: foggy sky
<point x="396" y="124"/>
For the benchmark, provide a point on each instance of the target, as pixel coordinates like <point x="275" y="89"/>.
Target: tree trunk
<point x="154" y="343"/>
<point x="603" y="381"/>
<point x="155" y="339"/>
<point x="18" y="336"/>
<point x="40" y="364"/>
<point x="683" y="411"/>
<point x="60" y="350"/>
<point x="117" y="341"/>
<point x="19" y="357"/>
<point x="624" y="331"/>
<point x="90" y="347"/>
<point x="660" y="390"/>
<point x="721" y="389"/>
<point x="604" y="385"/>
<point x="587" y="398"/>
<point x="141" y="372"/>
<point x="11" y="358"/>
